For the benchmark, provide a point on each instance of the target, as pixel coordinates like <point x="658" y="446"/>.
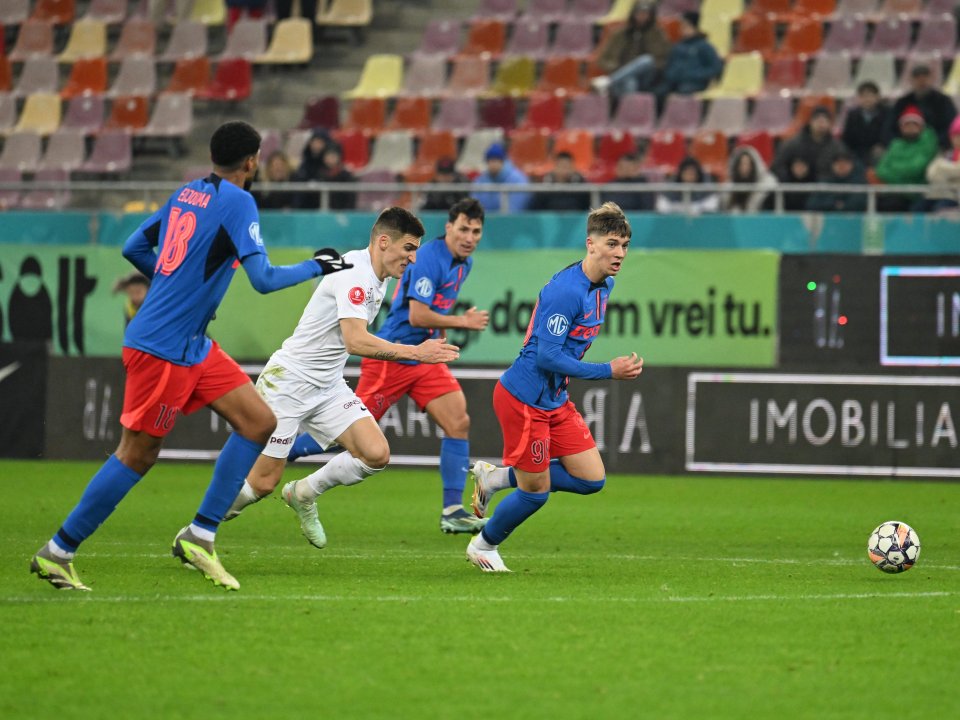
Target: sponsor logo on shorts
<point x="255" y="233"/>
<point x="281" y="441"/>
<point x="357" y="295"/>
<point x="355" y="401"/>
<point x="424" y="287"/>
<point x="557" y="325"/>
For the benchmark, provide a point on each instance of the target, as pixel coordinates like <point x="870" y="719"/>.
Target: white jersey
<point x="316" y="350"/>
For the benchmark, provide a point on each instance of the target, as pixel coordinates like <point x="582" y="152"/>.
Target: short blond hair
<point x="608" y="219"/>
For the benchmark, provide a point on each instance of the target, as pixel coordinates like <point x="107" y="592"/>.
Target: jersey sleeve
<point x="421" y="285"/>
<point x="350" y="293"/>
<point x="242" y="223"/>
<point x="556" y="311"/>
<point x="139" y="247"/>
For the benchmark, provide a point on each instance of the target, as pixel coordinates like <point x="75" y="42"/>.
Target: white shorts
<point x="301" y="406"/>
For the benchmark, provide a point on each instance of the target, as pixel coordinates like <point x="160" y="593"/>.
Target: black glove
<point x="330" y="261"/>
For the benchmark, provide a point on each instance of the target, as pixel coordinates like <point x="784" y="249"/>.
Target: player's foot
<point x="307" y="512"/>
<point x="56" y="571"/>
<point x="460" y="521"/>
<point x="486" y="560"/>
<point x="200" y="555"/>
<point x="482" y="492"/>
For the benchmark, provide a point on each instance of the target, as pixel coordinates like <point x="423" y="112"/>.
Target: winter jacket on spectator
<point x="632" y="41"/>
<point x="905" y="161"/>
<point x="509" y="175"/>
<point x="748" y="201"/>
<point x="692" y="64"/>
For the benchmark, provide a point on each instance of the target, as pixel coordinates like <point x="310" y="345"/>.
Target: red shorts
<point x="382" y="383"/>
<point x="532" y="436"/>
<point x="156" y="390"/>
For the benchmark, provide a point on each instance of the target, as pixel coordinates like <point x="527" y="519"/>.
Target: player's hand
<point x="437" y="351"/>
<point x="474" y="319"/>
<point x="626" y="367"/>
<point x="330" y="261"/>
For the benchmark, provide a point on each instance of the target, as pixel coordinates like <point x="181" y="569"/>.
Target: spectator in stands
<point x="944" y="171"/>
<point x="845" y="169"/>
<point x="445" y="199"/>
<point x="635" y="55"/>
<point x="747" y="167"/>
<point x="937" y="109"/>
<point x="311" y="161"/>
<point x="564" y="173"/>
<point x="815" y="143"/>
<point x="628" y="171"/>
<point x="277" y="171"/>
<point x="865" y="127"/>
<point x="134" y="286"/>
<point x="905" y="161"/>
<point x="685" y="200"/>
<point x="796" y="168"/>
<point x="239" y="8"/>
<point x="693" y="62"/>
<point x="333" y="171"/>
<point x="501" y="170"/>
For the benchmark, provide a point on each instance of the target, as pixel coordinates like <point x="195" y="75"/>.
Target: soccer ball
<point x="893" y="546"/>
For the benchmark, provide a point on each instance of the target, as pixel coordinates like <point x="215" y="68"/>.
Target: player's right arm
<point x="359" y="341"/>
<point x="422" y="316"/>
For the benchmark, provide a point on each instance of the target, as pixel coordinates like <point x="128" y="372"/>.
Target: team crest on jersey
<point x="255" y="233"/>
<point x="557" y="325"/>
<point x="357" y="295"/>
<point x="424" y="287"/>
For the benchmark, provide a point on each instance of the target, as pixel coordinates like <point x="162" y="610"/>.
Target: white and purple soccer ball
<point x="893" y="546"/>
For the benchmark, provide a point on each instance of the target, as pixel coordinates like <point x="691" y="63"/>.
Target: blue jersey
<point x="435" y="280"/>
<point x="202" y="233"/>
<point x="565" y="322"/>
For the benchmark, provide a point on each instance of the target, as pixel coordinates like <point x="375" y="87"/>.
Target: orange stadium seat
<point x="128" y="113"/>
<point x="434" y="145"/>
<point x="562" y="76"/>
<point x="529" y="152"/>
<point x="757" y="34"/>
<point x="579" y="143"/>
<point x="709" y="147"/>
<point x="59" y="12"/>
<point x="485" y="38"/>
<point x="544" y="113"/>
<point x="367" y="114"/>
<point x="814" y="8"/>
<point x="665" y="151"/>
<point x="411" y="113"/>
<point x="190" y="75"/>
<point x="804" y="38"/>
<point x="670" y="26"/>
<point x="777" y="10"/>
<point x="86" y="77"/>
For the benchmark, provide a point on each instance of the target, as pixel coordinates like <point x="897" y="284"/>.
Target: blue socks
<point x="304" y="445"/>
<point x="454" y="464"/>
<point x="562" y="481"/>
<point x="232" y="468"/>
<point x="512" y="510"/>
<point x="101" y="496"/>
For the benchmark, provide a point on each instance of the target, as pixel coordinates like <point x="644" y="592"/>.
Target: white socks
<point x="59" y="552"/>
<point x="498" y="479"/>
<point x="344" y="469"/>
<point x="246" y="496"/>
<point x="202" y="533"/>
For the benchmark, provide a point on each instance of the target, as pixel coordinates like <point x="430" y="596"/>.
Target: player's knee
<point x="261" y="426"/>
<point x="593" y="486"/>
<point x="376" y="456"/>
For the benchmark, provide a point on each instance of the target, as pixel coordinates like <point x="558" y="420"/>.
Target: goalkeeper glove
<point x="330" y="261"/>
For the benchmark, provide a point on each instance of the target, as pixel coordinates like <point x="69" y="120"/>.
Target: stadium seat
<point x="392" y="151"/>
<point x="270" y="141"/>
<point x="909" y="10"/>
<point x="529" y="151"/>
<point x="412" y="114"/>
<point x="21" y="151"/>
<point x="742" y="76"/>
<point x="547" y="11"/>
<point x="84" y="114"/>
<point x="232" y="81"/>
<point x="528" y="39"/>
<point x="34" y="39"/>
<point x="931" y="60"/>
<point x="731" y="9"/>
<point x="66" y="150"/>
<point x="681" y="114"/>
<point x="345" y="13"/>
<point x="189" y="76"/>
<point x="127" y="113"/>
<point x="469" y="76"/>
<point x="86" y="77"/>
<point x="112" y="153"/>
<point x="777" y="10"/>
<point x="382" y="77"/>
<point x="8" y="113"/>
<point x="172" y="117"/>
<point x="503" y="10"/>
<point x="561" y="76"/>
<point x="611" y="147"/>
<point x="759" y="140"/>
<point x="40" y="114"/>
<point x="726" y="115"/>
<point x="718" y="29"/>
<point x="366" y="114"/>
<point x="856" y="8"/>
<point x="6" y="75"/>
<point x="58" y="12"/>
<point x="878" y="67"/>
<point x="846" y="34"/>
<point x="433" y="146"/>
<point x="294" y="145"/>
<point x="771" y="114"/>
<point x="9" y="199"/>
<point x="426" y="76"/>
<point x="757" y="33"/>
<point x="803" y="38"/>
<point x="709" y="147"/>
<point x="209" y="12"/>
<point x="471" y="160"/>
<point x="441" y="37"/>
<point x="376" y="200"/>
<point x="951" y="85"/>
<point x="111" y="12"/>
<point x="38" y="74"/>
<point x="785" y="76"/>
<point x="291" y="44"/>
<point x="572" y="39"/>
<point x="46" y="199"/>
<point x="88" y="39"/>
<point x="814" y="8"/>
<point x="636" y="115"/>
<point x="459" y="115"/>
<point x="138" y="36"/>
<point x="187" y="40"/>
<point x="805" y="109"/>
<point x="588" y="11"/>
<point x="515" y="76"/>
<point x="937" y="34"/>
<point x="892" y="34"/>
<point x="665" y="151"/>
<point x="321" y="112"/>
<point x="14" y="12"/>
<point x="588" y="112"/>
<point x="247" y="40"/>
<point x="355" y="146"/>
<point x="137" y="76"/>
<point x="499" y="113"/>
<point x="618" y="13"/>
<point x="579" y="143"/>
<point x="485" y="38"/>
<point x="544" y="114"/>
<point x="935" y="8"/>
<point x="830" y="75"/>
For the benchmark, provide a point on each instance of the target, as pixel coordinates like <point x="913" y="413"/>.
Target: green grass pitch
<point x="660" y="597"/>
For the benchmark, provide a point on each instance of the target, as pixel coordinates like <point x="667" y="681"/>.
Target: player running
<point x="202" y="233"/>
<point x="303" y="380"/>
<point x="547" y="446"/>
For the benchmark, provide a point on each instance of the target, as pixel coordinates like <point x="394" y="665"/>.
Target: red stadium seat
<point x="785" y="76"/>
<point x="190" y="75"/>
<point x="321" y="112"/>
<point x="761" y="141"/>
<point x="128" y="113"/>
<point x="757" y="34"/>
<point x="545" y="113"/>
<point x="666" y="150"/>
<point x="709" y="147"/>
<point x="356" y="148"/>
<point x="232" y="80"/>
<point x="499" y="113"/>
<point x="485" y="38"/>
<point x="411" y="113"/>
<point x="804" y="38"/>
<point x="59" y="12"/>
<point x="561" y="76"/>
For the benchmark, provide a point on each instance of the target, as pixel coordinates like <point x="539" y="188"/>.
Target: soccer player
<point x="547" y="446"/>
<point x="203" y="232"/>
<point x="303" y="381"/>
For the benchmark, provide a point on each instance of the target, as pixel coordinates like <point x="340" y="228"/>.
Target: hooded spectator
<point x="937" y="109"/>
<point x="564" y="173"/>
<point x="635" y="55"/>
<point x="500" y="170"/>
<point x="845" y="169"/>
<point x="944" y="172"/>
<point x="311" y="162"/>
<point x="815" y="144"/>
<point x="796" y="170"/>
<point x="747" y="167"/>
<point x="865" y="127"/>
<point x="692" y="202"/>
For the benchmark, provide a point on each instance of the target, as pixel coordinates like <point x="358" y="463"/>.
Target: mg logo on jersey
<point x="424" y="287"/>
<point x="254" y="231"/>
<point x="557" y="325"/>
<point x="357" y="295"/>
